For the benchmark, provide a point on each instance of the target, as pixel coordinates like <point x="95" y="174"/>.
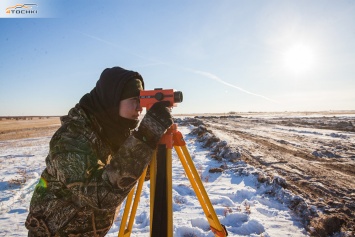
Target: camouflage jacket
<point x="84" y="181"/>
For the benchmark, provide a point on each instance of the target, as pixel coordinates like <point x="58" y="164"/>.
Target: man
<point x="95" y="158"/>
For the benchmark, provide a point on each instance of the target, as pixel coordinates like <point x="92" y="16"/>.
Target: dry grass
<point x="324" y="226"/>
<point x="226" y="211"/>
<point x="20" y="179"/>
<point x="35" y="127"/>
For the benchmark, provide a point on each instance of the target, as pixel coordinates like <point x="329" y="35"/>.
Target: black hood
<point x="104" y="100"/>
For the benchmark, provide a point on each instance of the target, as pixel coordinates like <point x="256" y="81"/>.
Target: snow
<point x="244" y="205"/>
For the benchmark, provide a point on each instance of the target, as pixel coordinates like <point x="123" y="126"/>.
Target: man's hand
<point x="154" y="124"/>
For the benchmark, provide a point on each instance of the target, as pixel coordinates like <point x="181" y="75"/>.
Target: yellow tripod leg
<point x="200" y="191"/>
<point x="127" y="232"/>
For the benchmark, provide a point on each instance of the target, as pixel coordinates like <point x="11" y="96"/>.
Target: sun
<point x="299" y="58"/>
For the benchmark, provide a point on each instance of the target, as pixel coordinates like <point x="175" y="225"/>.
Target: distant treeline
<point x="25" y="117"/>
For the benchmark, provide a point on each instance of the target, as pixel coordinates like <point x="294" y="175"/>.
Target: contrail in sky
<point x="216" y="78"/>
<point x="155" y="62"/>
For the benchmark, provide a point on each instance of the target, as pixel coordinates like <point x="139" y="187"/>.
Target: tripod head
<point x="150" y="97"/>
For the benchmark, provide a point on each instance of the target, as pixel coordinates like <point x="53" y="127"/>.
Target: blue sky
<point x="223" y="55"/>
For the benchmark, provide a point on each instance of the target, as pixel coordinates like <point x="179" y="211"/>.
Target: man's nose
<point x="139" y="107"/>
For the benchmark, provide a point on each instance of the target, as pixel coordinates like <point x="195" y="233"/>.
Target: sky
<point x="224" y="56"/>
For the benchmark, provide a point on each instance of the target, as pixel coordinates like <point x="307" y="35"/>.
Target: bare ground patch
<point x="12" y="128"/>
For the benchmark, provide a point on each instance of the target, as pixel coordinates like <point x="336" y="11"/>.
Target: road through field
<point x="316" y="157"/>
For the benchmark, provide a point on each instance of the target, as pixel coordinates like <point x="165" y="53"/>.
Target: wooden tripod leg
<point x="153" y="176"/>
<point x="200" y="191"/>
<point x="161" y="220"/>
<point x="169" y="191"/>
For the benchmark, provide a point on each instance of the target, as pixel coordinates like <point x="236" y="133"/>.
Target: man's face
<point x="130" y="108"/>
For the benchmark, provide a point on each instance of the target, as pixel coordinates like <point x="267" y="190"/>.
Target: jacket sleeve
<point x="128" y="164"/>
<point x="74" y="161"/>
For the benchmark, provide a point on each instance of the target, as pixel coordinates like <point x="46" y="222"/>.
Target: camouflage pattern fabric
<point x="84" y="182"/>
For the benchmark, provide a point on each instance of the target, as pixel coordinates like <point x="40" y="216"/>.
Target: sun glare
<point x="299" y="58"/>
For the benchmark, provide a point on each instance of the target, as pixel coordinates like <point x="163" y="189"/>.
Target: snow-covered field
<point x="244" y="205"/>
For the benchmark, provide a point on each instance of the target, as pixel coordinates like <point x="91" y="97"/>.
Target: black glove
<point x="154" y="124"/>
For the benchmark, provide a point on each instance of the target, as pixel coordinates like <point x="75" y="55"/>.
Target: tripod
<point x="161" y="213"/>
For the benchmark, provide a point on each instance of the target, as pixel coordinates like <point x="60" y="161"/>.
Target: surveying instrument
<point x="161" y="212"/>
